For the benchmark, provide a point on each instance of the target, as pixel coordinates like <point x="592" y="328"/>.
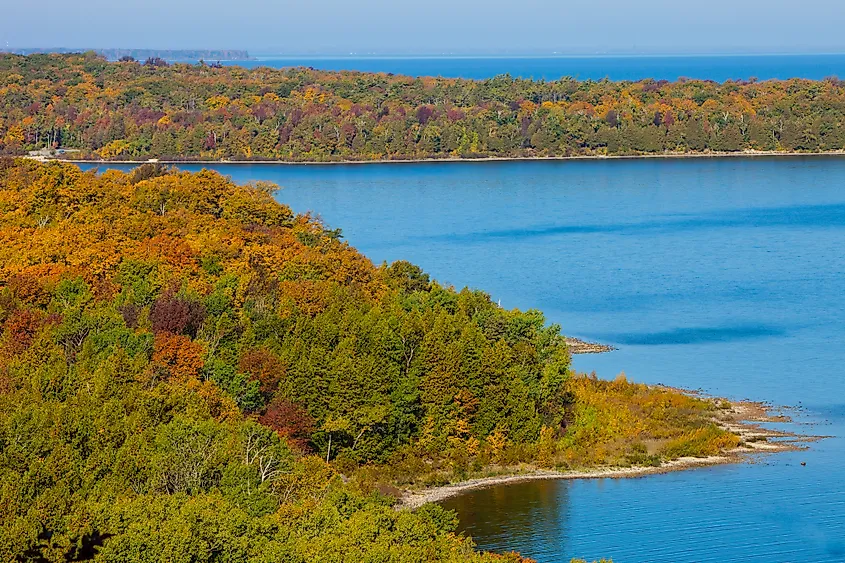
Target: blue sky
<point x="434" y="26"/>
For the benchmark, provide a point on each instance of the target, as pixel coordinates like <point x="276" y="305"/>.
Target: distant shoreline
<point x="115" y="53"/>
<point x="672" y="156"/>
<point x="742" y="418"/>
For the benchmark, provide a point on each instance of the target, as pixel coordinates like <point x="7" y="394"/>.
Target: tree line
<point x="129" y="110"/>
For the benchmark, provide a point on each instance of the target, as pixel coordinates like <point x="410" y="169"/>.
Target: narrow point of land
<point x="578" y="346"/>
<point x="743" y="418"/>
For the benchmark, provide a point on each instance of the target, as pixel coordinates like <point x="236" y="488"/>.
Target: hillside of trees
<point x="191" y="372"/>
<point x="130" y="110"/>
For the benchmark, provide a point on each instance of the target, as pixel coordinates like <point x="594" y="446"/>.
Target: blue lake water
<point x="704" y="67"/>
<point x="721" y="274"/>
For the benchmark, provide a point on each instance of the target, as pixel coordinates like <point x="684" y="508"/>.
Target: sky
<point x="431" y="26"/>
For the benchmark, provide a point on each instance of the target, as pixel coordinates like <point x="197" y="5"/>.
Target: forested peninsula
<point x="189" y="371"/>
<point x="104" y="110"/>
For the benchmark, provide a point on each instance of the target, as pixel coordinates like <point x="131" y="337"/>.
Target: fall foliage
<point x="128" y="110"/>
<point x="174" y="347"/>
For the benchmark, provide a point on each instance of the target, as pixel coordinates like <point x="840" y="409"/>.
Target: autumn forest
<point x="189" y="371"/>
<point x="136" y="111"/>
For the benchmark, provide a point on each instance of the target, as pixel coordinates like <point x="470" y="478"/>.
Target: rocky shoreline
<point x="578" y="346"/>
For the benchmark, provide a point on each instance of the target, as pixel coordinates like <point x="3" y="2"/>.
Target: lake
<point x="635" y="67"/>
<point x="721" y="274"/>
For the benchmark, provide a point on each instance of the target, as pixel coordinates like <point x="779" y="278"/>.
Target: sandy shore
<point x="669" y="155"/>
<point x="743" y="418"/>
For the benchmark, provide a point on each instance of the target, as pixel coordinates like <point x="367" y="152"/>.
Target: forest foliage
<point x="190" y="371"/>
<point x="132" y="110"/>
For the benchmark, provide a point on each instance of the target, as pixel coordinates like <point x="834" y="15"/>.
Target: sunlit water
<point x="725" y="275"/>
<point x="637" y="67"/>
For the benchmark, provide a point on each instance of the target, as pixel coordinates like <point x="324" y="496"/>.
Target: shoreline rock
<point x="578" y="346"/>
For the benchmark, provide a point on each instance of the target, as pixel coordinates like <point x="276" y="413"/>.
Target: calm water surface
<point x="710" y="67"/>
<point x="726" y="275"/>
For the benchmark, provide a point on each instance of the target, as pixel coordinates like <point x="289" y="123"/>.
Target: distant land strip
<point x="143" y="54"/>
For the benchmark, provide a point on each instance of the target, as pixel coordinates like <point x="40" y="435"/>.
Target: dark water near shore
<point x="704" y="67"/>
<point x="723" y="274"/>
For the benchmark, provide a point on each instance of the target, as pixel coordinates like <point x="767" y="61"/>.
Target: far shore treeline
<point x="117" y="54"/>
<point x="133" y="111"/>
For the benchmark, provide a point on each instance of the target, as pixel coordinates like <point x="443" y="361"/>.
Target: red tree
<point x="21" y="328"/>
<point x="290" y="421"/>
<point x="263" y="366"/>
<point x="176" y="315"/>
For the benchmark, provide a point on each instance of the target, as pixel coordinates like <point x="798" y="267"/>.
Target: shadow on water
<point x="529" y="514"/>
<point x="802" y="216"/>
<point x="694" y="335"/>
